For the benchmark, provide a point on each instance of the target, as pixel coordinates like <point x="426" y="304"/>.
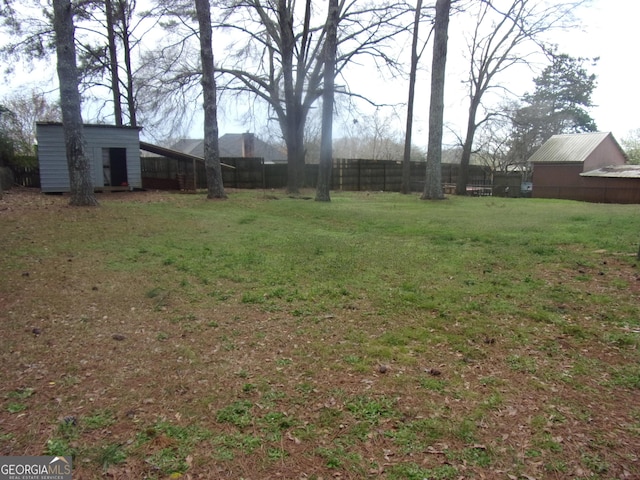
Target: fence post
<point x="195" y="176"/>
<point x="384" y="177"/>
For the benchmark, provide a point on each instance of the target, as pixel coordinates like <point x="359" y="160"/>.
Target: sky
<point x="608" y="31"/>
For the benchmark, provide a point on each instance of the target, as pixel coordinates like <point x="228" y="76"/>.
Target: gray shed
<point x="114" y="153"/>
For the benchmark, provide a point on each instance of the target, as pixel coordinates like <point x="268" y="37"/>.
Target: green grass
<point x="99" y="419"/>
<point x="16" y="407"/>
<point x="254" y="331"/>
<point x="411" y="471"/>
<point x="238" y="414"/>
<point x="405" y="254"/>
<point x="110" y="454"/>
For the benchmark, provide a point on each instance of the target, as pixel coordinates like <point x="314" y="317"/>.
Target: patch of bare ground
<point x="195" y="386"/>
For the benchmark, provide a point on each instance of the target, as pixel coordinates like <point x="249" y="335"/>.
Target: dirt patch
<point x="20" y="199"/>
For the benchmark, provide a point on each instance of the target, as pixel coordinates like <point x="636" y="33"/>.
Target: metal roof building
<point x="588" y="148"/>
<point x="615" y="171"/>
<point x="586" y="166"/>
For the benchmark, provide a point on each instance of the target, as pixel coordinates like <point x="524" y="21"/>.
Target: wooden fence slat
<point x="347" y="174"/>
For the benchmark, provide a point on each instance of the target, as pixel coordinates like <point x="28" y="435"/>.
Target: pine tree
<point x="81" y="182"/>
<point x="559" y="104"/>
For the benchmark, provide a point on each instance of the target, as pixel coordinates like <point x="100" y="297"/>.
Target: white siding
<point x="54" y="175"/>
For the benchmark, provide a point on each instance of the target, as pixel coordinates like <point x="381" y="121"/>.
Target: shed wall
<point x="563" y="181"/>
<point x="52" y="156"/>
<point x="610" y="190"/>
<point x="553" y="180"/>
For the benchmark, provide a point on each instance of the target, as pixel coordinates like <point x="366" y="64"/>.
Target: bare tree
<point x="169" y="78"/>
<point x="26" y="109"/>
<point x="494" y="144"/>
<point x="374" y="137"/>
<point x="114" y="31"/>
<point x="433" y="183"/>
<point x="215" y="187"/>
<point x="631" y="145"/>
<point x="80" y="181"/>
<point x="281" y="62"/>
<point x="498" y="43"/>
<point x="326" y="142"/>
<point x="405" y="186"/>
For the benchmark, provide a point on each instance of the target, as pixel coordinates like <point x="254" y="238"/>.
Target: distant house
<point x="589" y="167"/>
<point x="114" y="154"/>
<point x="235" y="145"/>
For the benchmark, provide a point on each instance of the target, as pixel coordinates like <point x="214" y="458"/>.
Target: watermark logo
<point x="35" y="468"/>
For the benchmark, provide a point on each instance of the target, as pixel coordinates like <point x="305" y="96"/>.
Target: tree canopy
<point x="506" y="34"/>
<point x="24" y="110"/>
<point x="280" y="61"/>
<point x="273" y="59"/>
<point x="631" y="145"/>
<point x="7" y="149"/>
<point x="559" y="104"/>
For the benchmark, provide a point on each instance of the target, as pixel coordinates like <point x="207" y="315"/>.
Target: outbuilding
<point x="589" y="167"/>
<point x="114" y="154"/>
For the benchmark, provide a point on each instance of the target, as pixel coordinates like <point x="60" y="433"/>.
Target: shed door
<point x="115" y="167"/>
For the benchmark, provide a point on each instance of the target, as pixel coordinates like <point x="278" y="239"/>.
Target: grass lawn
<point x="377" y="336"/>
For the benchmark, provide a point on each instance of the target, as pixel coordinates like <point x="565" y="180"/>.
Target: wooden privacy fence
<point x="347" y="174"/>
<point x="386" y="175"/>
<point x="183" y="174"/>
<point x="160" y="173"/>
<point x="26" y="176"/>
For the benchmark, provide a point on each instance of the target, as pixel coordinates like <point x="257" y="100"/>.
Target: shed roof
<point x="176" y="154"/>
<point x="615" y="171"/>
<point x="92" y="125"/>
<point x="569" y="148"/>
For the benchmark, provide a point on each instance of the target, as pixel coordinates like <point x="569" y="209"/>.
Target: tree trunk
<point x="433" y="183"/>
<point x="326" y="143"/>
<point x="131" y="103"/>
<point x="463" y="177"/>
<point x="113" y="60"/>
<point x="81" y="183"/>
<point x="215" y="188"/>
<point x="294" y="141"/>
<point x="1" y="163"/>
<point x="405" y="186"/>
